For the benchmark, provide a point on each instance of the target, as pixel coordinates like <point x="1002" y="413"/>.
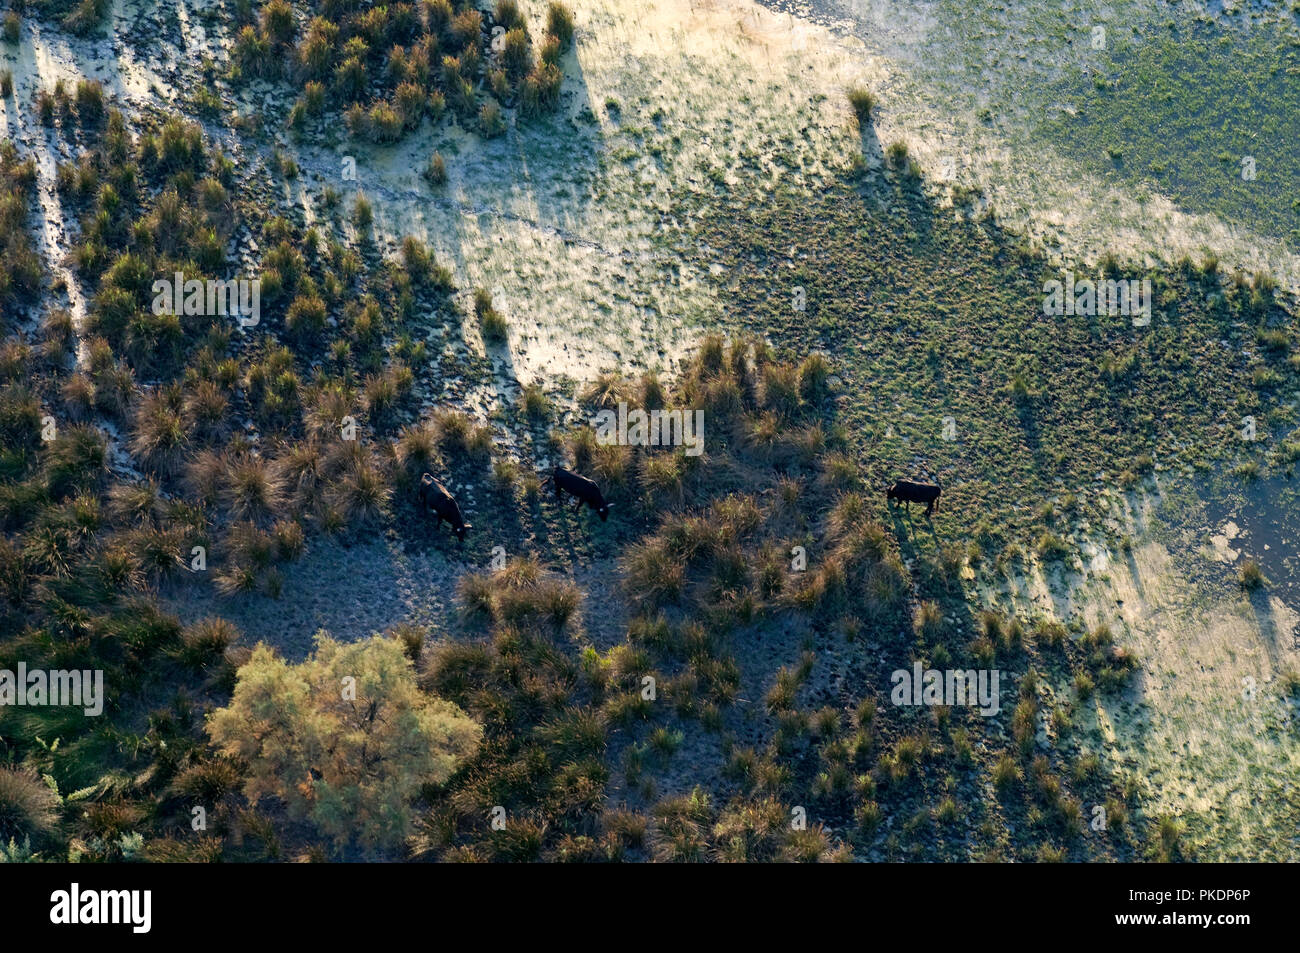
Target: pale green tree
<point x="344" y="739"/>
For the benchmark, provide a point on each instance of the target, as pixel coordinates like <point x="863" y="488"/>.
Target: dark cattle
<point x="433" y="495"/>
<point x="910" y="492"/>
<point x="566" y="481"/>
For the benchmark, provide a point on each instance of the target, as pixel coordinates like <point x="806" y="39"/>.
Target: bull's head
<point x="604" y="512"/>
<point x="891" y="492"/>
<point x="462" y="529"/>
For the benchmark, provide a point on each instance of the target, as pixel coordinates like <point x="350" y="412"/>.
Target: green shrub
<point x="371" y="758"/>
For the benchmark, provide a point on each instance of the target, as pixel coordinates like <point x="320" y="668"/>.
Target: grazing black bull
<point x="434" y="495"/>
<point x="911" y="492"/>
<point x="584" y="490"/>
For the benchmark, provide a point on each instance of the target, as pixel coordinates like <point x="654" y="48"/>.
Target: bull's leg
<point x="929" y="508"/>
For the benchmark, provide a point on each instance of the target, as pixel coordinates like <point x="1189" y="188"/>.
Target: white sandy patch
<point x="1221" y="543"/>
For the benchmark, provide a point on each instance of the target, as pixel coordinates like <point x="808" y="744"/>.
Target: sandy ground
<point x="934" y="79"/>
<point x="570" y="222"/>
<point x="354" y="591"/>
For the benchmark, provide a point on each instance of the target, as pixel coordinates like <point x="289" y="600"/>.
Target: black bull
<point x="433" y="495"/>
<point x="911" y="492"/>
<point x="582" y="489"/>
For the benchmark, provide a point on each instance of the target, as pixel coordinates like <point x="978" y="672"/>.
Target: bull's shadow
<point x="582" y="535"/>
<point x="909" y="528"/>
<point x="419" y="528"/>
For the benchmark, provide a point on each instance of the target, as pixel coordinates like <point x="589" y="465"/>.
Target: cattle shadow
<point x="585" y="538"/>
<point x="419" y="529"/>
<point x="873" y="156"/>
<point x="909" y="526"/>
<point x="1273" y="640"/>
<point x="1131" y="561"/>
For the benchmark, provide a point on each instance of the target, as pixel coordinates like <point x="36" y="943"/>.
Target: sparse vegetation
<point x="670" y="683"/>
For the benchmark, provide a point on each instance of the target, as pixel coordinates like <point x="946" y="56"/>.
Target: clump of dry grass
<point x="655" y="575"/>
<point x="78" y="395"/>
<point x="418" y="451"/>
<point x="205" y="475"/>
<point x="206" y="411"/>
<point x="559" y="23"/>
<point x="411" y="636"/>
<point x="328" y="407"/>
<point x="28" y="806"/>
<point x="863" y="103"/>
<point x="11" y="27"/>
<point x="359" y="495"/>
<point x="491" y="322"/>
<point x="611" y="466"/>
<point x="460" y="435"/>
<point x="206" y="641"/>
<point x="663" y="478"/>
<point x="436" y="171"/>
<point x="58" y="334"/>
<point x="136" y="504"/>
<point x="252" y="489"/>
<point x="363" y="214"/>
<point x="383" y="393"/>
<point x="1251" y="577"/>
<point x="306" y="317"/>
<point x="521" y="596"/>
<point x="159" y="438"/>
<point x="605" y="391"/>
<point x="780" y="390"/>
<point x="534" y="402"/>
